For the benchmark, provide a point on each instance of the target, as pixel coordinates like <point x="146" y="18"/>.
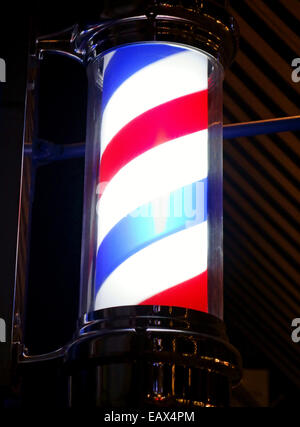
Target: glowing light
<point x="157" y="83"/>
<point x="155" y="173"/>
<point x="156" y="268"/>
<point x="152" y="207"/>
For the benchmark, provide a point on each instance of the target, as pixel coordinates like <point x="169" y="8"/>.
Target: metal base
<point x="143" y="356"/>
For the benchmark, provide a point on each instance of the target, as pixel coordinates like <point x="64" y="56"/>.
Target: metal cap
<point x="204" y="24"/>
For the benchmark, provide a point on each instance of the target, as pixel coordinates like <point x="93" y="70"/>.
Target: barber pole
<point x="150" y="330"/>
<point x="152" y="210"/>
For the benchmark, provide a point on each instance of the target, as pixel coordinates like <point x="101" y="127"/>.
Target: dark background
<point x="259" y="304"/>
<point x="13" y="49"/>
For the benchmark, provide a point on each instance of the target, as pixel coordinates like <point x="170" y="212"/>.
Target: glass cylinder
<point x="152" y="226"/>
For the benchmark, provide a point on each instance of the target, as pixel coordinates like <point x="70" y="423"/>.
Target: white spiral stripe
<point x="162" y="81"/>
<point x="156" y="268"/>
<point x="157" y="172"/>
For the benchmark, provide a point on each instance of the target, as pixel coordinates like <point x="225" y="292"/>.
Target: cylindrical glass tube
<point x="152" y="229"/>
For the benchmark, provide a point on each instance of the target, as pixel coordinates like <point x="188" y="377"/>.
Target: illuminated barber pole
<point x="152" y="229"/>
<point x="150" y="330"/>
